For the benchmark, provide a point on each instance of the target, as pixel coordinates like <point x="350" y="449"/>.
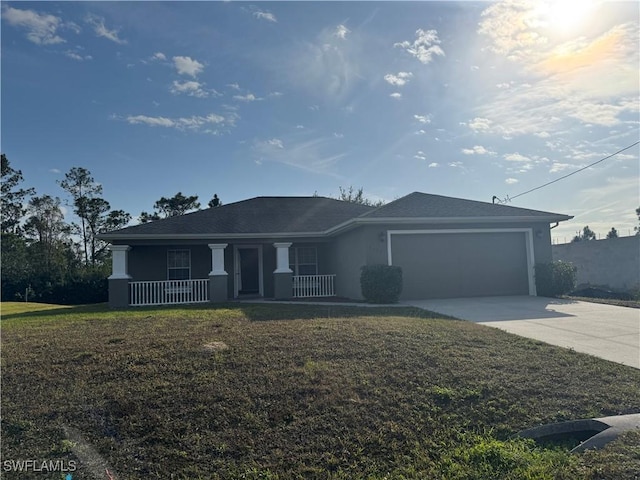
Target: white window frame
<point x="295" y="266"/>
<point x="169" y="267"/>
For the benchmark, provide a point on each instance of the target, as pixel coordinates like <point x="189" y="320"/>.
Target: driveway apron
<point x="605" y="331"/>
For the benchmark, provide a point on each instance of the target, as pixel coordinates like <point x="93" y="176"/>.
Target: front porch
<point x="128" y="290"/>
<point x="177" y="292"/>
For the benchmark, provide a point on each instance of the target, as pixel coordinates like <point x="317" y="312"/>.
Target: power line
<point x="508" y="199"/>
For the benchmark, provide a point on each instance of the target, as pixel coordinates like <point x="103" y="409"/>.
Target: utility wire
<point x="508" y="199"/>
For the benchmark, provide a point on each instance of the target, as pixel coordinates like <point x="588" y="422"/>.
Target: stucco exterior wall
<point x="614" y="262"/>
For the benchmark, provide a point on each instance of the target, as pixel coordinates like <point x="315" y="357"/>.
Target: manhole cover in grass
<point x="215" y="347"/>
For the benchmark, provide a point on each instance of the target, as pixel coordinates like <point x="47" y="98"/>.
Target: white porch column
<point x="119" y="262"/>
<point x="282" y="257"/>
<point x="217" y="259"/>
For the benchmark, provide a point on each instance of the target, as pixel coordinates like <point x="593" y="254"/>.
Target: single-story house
<point x="288" y="247"/>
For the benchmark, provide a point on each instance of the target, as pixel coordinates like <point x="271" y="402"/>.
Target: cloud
<point x="396" y="95"/>
<point x="420" y="155"/>
<point x="77" y="56"/>
<point x="480" y="124"/>
<point x="187" y="66"/>
<point x="516" y="157"/>
<point x="42" y="29"/>
<point x="477" y="150"/>
<point x="249" y="97"/>
<point x="587" y="78"/>
<point x="434" y="165"/>
<point x="559" y="167"/>
<point x="193" y="123"/>
<point x="192" y="89"/>
<point x="233" y="86"/>
<point x="102" y="31"/>
<point x="511" y="181"/>
<point x="424" y="47"/>
<point x="260" y="15"/>
<point x="159" y="56"/>
<point x="275" y="142"/>
<point x="398" y="80"/>
<point x="341" y="32"/>
<point x="426" y="119"/>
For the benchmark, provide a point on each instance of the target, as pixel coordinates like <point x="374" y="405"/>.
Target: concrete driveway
<point x="605" y="331"/>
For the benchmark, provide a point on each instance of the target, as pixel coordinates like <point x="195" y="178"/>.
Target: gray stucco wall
<point x="614" y="262"/>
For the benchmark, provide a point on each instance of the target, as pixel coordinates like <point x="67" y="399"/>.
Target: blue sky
<point x="465" y="99"/>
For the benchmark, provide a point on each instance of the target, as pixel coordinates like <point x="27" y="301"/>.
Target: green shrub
<point x="381" y="283"/>
<point x="555" y="278"/>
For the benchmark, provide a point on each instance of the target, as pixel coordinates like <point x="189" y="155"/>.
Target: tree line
<point x="45" y="258"/>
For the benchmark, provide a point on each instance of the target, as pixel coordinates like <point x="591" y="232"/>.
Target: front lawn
<point x="297" y="391"/>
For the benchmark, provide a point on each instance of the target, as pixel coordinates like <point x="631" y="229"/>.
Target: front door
<point x="248" y="270"/>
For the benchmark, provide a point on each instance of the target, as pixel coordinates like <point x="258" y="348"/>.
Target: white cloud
<point x="559" y="167"/>
<point x="421" y="132"/>
<point x="187" y="66"/>
<point x="42" y="29"/>
<point x="77" y="56"/>
<point x="233" y="86"/>
<point x="480" y="124"/>
<point x="477" y="150"/>
<point x="398" y="80"/>
<point x="275" y="94"/>
<point x="192" y="89"/>
<point x="542" y="134"/>
<point x="516" y="157"/>
<point x="424" y="47"/>
<point x="455" y="164"/>
<point x="503" y="85"/>
<point x="249" y="97"/>
<point x="159" y="56"/>
<point x="102" y="31"/>
<point x="270" y="17"/>
<point x="420" y="155"/>
<point x="396" y="95"/>
<point x="426" y="119"/>
<point x="511" y="181"/>
<point x="308" y="154"/>
<point x="341" y="32"/>
<point x="275" y="142"/>
<point x="434" y="165"/>
<point x="194" y="123"/>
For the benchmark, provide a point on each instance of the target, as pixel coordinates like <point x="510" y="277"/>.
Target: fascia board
<point x="204" y="236"/>
<point x="445" y="221"/>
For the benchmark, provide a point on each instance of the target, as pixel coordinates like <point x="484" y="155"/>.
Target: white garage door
<point x="471" y="264"/>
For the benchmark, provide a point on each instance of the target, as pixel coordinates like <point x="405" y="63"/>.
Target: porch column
<point x="282" y="275"/>
<point x="217" y="275"/>
<point x="119" y="279"/>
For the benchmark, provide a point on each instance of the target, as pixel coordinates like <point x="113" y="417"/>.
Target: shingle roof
<point x="423" y="205"/>
<point x="319" y="215"/>
<point x="259" y="215"/>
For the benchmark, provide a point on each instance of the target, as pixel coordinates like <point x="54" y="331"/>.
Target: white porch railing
<point x="169" y="292"/>
<point x="305" y="286"/>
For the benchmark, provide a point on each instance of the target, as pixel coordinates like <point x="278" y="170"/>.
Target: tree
<point x="358" y="197"/>
<point x="587" y="234"/>
<point x="637" y="229"/>
<point x="12" y="199"/>
<point x="214" y="202"/>
<point x="49" y="235"/>
<point x="171" y="207"/>
<point x="79" y="183"/>
<point x="613" y="233"/>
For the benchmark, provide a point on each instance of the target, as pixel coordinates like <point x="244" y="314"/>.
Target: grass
<point x="297" y="391"/>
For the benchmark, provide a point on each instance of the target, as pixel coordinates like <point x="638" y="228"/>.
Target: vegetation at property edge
<point x="299" y="391"/>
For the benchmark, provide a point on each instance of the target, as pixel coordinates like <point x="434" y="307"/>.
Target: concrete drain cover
<point x="592" y="432"/>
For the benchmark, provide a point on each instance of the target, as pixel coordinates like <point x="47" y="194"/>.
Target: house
<point x="287" y="247"/>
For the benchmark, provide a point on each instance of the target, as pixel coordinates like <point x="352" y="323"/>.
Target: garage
<point x="463" y="263"/>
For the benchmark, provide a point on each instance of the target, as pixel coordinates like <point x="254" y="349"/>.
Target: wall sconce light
<point x="538" y="233"/>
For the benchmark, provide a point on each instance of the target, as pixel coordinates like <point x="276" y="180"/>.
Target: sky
<point x="463" y="99"/>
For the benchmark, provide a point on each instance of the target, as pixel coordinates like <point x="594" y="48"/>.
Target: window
<point x="303" y="260"/>
<point x="179" y="264"/>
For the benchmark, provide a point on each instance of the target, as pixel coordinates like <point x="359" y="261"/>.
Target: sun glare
<point x="568" y="15"/>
